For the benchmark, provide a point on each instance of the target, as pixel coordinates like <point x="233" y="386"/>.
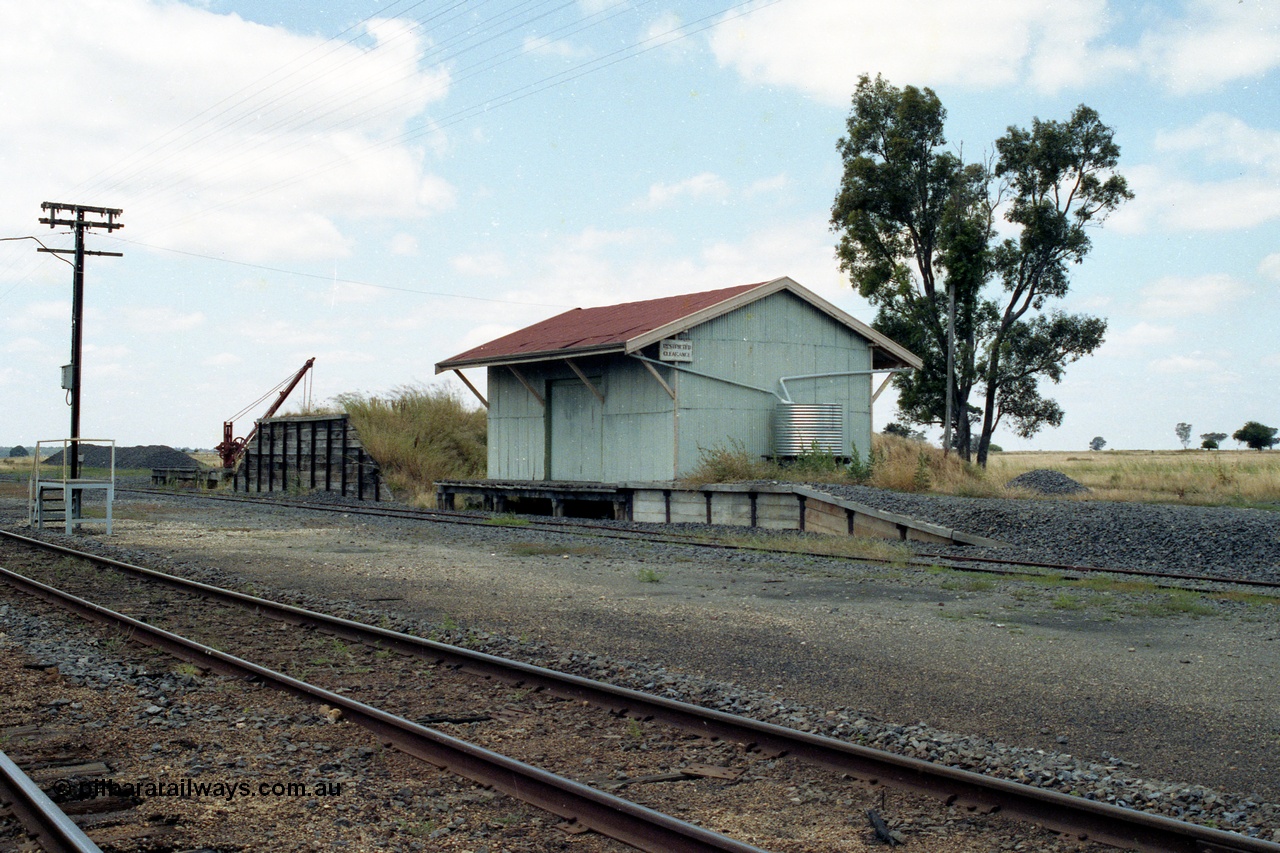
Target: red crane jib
<point x="232" y="448"/>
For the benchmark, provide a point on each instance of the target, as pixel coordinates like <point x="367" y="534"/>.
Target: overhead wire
<point x="30" y="268"/>
<point x="121" y="169"/>
<point x="335" y="280"/>
<point x="274" y="389"/>
<point x="256" y="111"/>
<point x="635" y="49"/>
<point x="511" y="96"/>
<point x="357" y="93"/>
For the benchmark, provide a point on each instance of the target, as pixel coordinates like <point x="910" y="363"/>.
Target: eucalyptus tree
<point x="917" y="225"/>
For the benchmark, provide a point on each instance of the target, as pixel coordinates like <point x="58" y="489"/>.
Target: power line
<point x="507" y="98"/>
<point x="358" y="94"/>
<point x="257" y="110"/>
<point x="336" y="280"/>
<point x="159" y="141"/>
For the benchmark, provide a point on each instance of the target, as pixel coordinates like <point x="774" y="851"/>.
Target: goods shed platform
<point x="774" y="506"/>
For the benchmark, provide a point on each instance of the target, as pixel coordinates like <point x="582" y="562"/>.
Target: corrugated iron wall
<point x="645" y="434"/>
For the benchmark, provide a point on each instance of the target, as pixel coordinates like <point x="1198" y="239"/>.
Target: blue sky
<point x="383" y="185"/>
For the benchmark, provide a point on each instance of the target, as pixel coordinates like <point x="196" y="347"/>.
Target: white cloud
<point x="587" y="271"/>
<point x="1166" y="199"/>
<point x="1176" y="296"/>
<point x="405" y="245"/>
<point x="765" y="186"/>
<point x="159" y="319"/>
<point x="542" y="46"/>
<point x="435" y="194"/>
<point x="222" y="359"/>
<point x="665" y="26"/>
<point x="1195" y="363"/>
<point x="202" y="152"/>
<point x="26" y="346"/>
<point x="1270" y="266"/>
<point x="1222" y="138"/>
<point x="1212" y="43"/>
<point x="1138" y="337"/>
<point x="488" y="265"/>
<point x="821" y="47"/>
<point x="36" y="315"/>
<point x="705" y="185"/>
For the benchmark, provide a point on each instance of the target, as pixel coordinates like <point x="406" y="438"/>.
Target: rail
<point x="41" y="817"/>
<point x="612" y="816"/>
<point x="964" y="562"/>
<point x="1076" y="816"/>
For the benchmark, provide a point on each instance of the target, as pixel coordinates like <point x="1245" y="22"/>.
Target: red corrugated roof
<point x="594" y="328"/>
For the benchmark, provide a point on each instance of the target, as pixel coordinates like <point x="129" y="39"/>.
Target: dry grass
<point x="419" y="435"/>
<point x="895" y="463"/>
<point x="1203" y="477"/>
<point x="1208" y="477"/>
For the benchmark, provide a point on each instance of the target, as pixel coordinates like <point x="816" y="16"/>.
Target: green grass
<point x="1179" y="603"/>
<point x="969" y="583"/>
<point x="648" y="575"/>
<point x="1067" y="601"/>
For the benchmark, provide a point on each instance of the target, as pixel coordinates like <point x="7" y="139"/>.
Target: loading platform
<point x="774" y="506"/>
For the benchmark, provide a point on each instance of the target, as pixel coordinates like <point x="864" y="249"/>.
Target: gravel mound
<point x="1223" y="542"/>
<point x="1046" y="481"/>
<point x="145" y="456"/>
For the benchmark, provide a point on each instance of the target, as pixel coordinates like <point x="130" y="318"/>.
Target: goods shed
<point x="634" y="392"/>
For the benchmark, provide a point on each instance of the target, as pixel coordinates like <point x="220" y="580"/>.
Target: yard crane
<point x="231" y="448"/>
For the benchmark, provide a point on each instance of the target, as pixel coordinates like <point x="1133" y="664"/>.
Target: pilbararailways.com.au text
<point x="192" y="789"/>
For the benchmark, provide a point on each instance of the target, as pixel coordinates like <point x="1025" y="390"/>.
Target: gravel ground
<point x="1219" y="541"/>
<point x="777" y="803"/>
<point x="100" y="699"/>
<point x="988" y="674"/>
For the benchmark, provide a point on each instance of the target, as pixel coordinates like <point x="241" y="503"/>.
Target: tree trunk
<point x="989" y="407"/>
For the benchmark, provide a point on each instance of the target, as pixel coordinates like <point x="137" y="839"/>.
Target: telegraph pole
<point x="74" y="216"/>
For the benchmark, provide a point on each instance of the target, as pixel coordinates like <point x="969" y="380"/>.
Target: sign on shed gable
<point x="675" y="350"/>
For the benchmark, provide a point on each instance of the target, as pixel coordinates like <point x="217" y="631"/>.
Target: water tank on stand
<point x="798" y="427"/>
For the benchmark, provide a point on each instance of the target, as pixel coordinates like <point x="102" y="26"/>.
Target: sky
<point x="384" y="185"/>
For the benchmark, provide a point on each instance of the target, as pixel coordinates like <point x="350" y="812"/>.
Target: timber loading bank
<point x="772" y="506"/>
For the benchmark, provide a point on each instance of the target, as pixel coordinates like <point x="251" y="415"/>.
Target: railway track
<point x="1070" y="815"/>
<point x="970" y="563"/>
<point x="43" y="821"/>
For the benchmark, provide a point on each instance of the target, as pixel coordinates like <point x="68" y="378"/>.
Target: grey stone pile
<point x="143" y="456"/>
<point x="1046" y="481"/>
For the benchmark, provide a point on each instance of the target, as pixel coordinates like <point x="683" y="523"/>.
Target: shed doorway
<point x="575" y="431"/>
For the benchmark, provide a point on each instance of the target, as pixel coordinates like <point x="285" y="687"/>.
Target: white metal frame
<point x="72" y="489"/>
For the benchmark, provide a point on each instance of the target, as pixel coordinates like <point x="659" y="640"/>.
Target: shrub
<point x="420" y="435"/>
<point x="730" y="463"/>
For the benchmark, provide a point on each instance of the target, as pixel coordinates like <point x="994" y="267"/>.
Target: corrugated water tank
<point x="797" y="427"/>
